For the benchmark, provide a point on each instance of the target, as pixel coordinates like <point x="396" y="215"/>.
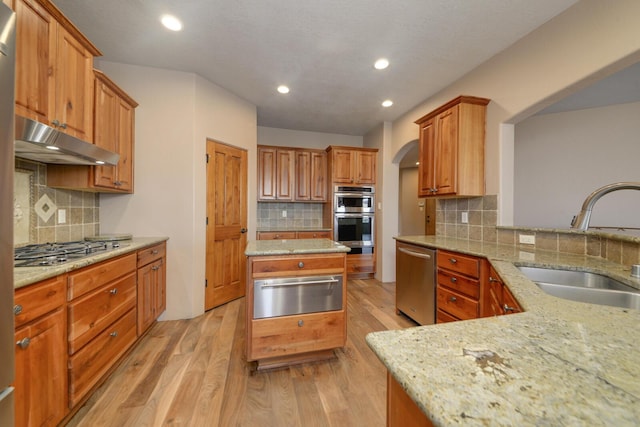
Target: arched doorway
<point x="416" y="216"/>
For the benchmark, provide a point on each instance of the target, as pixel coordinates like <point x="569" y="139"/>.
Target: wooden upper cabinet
<point x="114" y="129"/>
<point x="352" y="165"/>
<point x="452" y="149"/>
<point x="275" y="174"/>
<point x="291" y="174"/>
<point x="54" y="69"/>
<point x="311" y="176"/>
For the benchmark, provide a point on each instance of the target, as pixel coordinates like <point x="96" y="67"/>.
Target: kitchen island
<point x="295" y="300"/>
<point x="558" y="363"/>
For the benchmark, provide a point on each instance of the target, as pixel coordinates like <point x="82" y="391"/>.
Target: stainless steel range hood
<point x="42" y="143"/>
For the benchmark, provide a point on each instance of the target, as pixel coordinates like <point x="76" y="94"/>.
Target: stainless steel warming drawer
<point x="296" y="295"/>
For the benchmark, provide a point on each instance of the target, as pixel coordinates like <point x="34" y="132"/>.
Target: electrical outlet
<point x="284" y="214"/>
<point x="62" y="216"/>
<point x="528" y="239"/>
<point x="465" y="218"/>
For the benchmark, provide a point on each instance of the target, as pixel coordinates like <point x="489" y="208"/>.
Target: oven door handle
<point x="277" y="283"/>
<point x="354" y="215"/>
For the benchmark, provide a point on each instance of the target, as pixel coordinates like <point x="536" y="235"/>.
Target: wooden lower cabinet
<point x="294" y="338"/>
<point x="402" y="411"/>
<point x="152" y="299"/>
<point x="500" y="300"/>
<point x="40" y="354"/>
<point x="361" y="265"/>
<point x="458" y="290"/>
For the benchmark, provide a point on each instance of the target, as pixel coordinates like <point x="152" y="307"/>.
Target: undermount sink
<point x="583" y="286"/>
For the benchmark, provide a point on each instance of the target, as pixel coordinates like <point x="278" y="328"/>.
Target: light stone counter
<point x="293" y="247"/>
<point x="558" y="363"/>
<point x="23" y="276"/>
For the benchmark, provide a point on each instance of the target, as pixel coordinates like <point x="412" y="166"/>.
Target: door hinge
<point x="207" y="157"/>
<point x="206" y="221"/>
<point x="206" y="283"/>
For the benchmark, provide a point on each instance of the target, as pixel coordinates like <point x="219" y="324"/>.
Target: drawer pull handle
<point x="154" y="252"/>
<point x="23" y="343"/>
<point x="453" y="299"/>
<point x="114" y="334"/>
<point x="453" y="260"/>
<point x="17" y="309"/>
<point x="508" y="309"/>
<point x="491" y="279"/>
<point x="454" y="279"/>
<point x="301" y="264"/>
<point x="300" y="323"/>
<point x="155" y="267"/>
<point x="114" y="291"/>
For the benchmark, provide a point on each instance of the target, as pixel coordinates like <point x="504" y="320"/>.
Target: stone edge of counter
<point x="24" y="276"/>
<point x="293" y="247"/>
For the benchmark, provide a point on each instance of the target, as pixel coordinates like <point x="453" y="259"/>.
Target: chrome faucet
<point x="581" y="221"/>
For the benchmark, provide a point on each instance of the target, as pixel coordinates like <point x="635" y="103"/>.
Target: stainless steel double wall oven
<point x="353" y="217"/>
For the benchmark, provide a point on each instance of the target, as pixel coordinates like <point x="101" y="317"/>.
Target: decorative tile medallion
<point x="45" y="208"/>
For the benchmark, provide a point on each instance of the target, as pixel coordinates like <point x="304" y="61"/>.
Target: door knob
<point x="243" y="230"/>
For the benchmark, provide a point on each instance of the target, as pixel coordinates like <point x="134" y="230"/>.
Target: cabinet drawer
<point x="302" y="333"/>
<point x="314" y="235"/>
<point x="93" y="277"/>
<point x="361" y="263"/>
<point x="91" y="314"/>
<point x="297" y="266"/>
<point x="462" y="284"/>
<point x="33" y="301"/>
<point x="88" y="365"/>
<point x="147" y="255"/>
<point x="457" y="304"/>
<point x="444" y="317"/>
<point x="276" y="235"/>
<point x="459" y="263"/>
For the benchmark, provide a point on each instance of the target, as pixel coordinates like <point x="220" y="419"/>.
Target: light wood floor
<point x="192" y="373"/>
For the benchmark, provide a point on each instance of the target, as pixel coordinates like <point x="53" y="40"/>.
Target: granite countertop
<point x="23" y="276"/>
<point x="558" y="363"/>
<point x="293" y="247"/>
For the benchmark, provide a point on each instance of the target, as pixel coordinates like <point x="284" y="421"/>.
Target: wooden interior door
<point x="226" y="223"/>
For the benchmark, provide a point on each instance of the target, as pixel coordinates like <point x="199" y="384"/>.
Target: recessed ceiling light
<point x="171" y="22"/>
<point x="283" y="89"/>
<point x="381" y="64"/>
<point x="387" y="103"/>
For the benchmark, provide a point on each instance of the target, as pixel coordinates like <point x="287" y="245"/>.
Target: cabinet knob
<point x="300" y="323"/>
<point x="301" y="264"/>
<point x="454" y="279"/>
<point x="114" y="291"/>
<point x="154" y="252"/>
<point x="117" y="183"/>
<point x="508" y="309"/>
<point x="17" y="309"/>
<point x="491" y="279"/>
<point x="114" y="334"/>
<point x="23" y="343"/>
<point x="155" y="267"/>
<point x="453" y="299"/>
<point x="453" y="260"/>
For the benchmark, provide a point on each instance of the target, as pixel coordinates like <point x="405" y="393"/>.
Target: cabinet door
<point x="160" y="300"/>
<point x="146" y="303"/>
<point x="266" y="173"/>
<point x="41" y="371"/>
<point x="125" y="115"/>
<point x="446" y="152"/>
<point x="105" y="135"/>
<point x="74" y="86"/>
<point x="35" y="46"/>
<point x="303" y="176"/>
<point x="285" y="160"/>
<point x="342" y="166"/>
<point x="318" y="184"/>
<point x="426" y="174"/>
<point x="366" y="167"/>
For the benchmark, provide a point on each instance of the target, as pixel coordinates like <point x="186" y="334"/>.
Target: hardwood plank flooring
<point x="193" y="373"/>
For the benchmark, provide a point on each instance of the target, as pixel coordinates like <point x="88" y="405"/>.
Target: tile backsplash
<point x="37" y="208"/>
<point x="482" y="217"/>
<point x="299" y="215"/>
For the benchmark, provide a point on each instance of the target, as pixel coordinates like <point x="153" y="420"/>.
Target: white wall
<point x="561" y="158"/>
<point x="587" y="42"/>
<point x="177" y="112"/>
<point x="304" y="139"/>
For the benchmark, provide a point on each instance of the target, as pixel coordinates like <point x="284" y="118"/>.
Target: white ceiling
<point x="322" y="49"/>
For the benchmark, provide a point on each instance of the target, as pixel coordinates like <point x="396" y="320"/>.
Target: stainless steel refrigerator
<point x="7" y="84"/>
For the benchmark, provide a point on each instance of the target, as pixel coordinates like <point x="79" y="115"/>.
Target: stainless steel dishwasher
<point x="416" y="282"/>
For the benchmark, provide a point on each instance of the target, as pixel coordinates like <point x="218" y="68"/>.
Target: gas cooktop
<point x="48" y="254"/>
